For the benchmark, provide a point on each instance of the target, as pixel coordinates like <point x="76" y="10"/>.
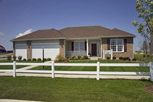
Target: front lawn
<point x="11" y="67"/>
<point x="74" y="90"/>
<point x="81" y="68"/>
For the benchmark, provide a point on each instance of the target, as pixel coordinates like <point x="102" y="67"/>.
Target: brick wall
<point x="128" y="53"/>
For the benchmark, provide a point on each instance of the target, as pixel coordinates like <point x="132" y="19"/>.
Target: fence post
<point x="14" y="69"/>
<point x="53" y="69"/>
<point x="98" y="70"/>
<point x="151" y="71"/>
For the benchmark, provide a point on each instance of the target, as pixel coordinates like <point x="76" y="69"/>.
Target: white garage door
<point x="51" y="49"/>
<point x="21" y="50"/>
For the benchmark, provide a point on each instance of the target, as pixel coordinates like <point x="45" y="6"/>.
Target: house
<point x="89" y="41"/>
<point x="2" y="49"/>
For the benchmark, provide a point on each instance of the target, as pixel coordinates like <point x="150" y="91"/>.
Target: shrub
<point x="85" y="57"/>
<point x="34" y="59"/>
<point x="14" y="58"/>
<point x="79" y="57"/>
<point x="45" y="59"/>
<point x="108" y="58"/>
<point x="39" y="59"/>
<point x="120" y="58"/>
<point x="9" y="58"/>
<point x="60" y="58"/>
<point x="29" y="60"/>
<point x="24" y="59"/>
<point x="48" y="59"/>
<point x="19" y="58"/>
<point x="74" y="58"/>
<point x="114" y="57"/>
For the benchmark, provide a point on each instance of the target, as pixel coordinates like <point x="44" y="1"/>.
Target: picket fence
<point x="97" y="65"/>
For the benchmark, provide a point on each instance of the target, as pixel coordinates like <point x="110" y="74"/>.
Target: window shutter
<point x="108" y="44"/>
<point x="85" y="45"/>
<point x="125" y="45"/>
<point x="72" y="46"/>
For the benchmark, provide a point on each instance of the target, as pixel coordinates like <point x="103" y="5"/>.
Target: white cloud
<point x="24" y="33"/>
<point x="1" y="33"/>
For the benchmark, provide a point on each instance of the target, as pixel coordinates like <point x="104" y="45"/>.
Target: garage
<point x="21" y="50"/>
<point x="48" y="49"/>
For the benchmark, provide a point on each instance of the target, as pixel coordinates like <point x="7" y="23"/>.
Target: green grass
<point x="10" y="66"/>
<point x="124" y="69"/>
<point x="74" y="90"/>
<point x="102" y="61"/>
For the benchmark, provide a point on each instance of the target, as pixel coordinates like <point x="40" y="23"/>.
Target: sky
<point x="19" y="16"/>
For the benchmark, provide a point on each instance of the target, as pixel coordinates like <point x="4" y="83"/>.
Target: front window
<point x="117" y="45"/>
<point x="79" y="46"/>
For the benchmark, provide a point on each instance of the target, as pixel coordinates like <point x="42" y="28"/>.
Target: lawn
<point x="81" y="68"/>
<point x="74" y="90"/>
<point x="10" y="66"/>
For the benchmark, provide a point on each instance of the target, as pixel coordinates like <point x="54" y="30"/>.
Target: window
<point x="79" y="46"/>
<point x="117" y="45"/>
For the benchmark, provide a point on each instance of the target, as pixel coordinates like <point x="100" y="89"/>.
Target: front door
<point x="94" y="49"/>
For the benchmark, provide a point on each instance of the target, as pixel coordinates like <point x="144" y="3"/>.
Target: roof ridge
<point x="84" y="27"/>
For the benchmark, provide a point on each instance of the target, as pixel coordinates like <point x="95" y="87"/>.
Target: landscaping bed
<point x="74" y="90"/>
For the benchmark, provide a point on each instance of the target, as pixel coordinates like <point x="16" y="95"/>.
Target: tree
<point x="145" y="26"/>
<point x="145" y="47"/>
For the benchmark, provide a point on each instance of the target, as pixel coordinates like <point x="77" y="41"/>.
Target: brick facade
<point x="62" y="47"/>
<point x="29" y="50"/>
<point x="129" y="51"/>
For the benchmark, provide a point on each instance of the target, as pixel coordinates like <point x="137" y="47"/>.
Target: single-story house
<point x="2" y="49"/>
<point x="74" y="41"/>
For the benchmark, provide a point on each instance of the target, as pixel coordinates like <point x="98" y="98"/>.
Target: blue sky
<point x="17" y="16"/>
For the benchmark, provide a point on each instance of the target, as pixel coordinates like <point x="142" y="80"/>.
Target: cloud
<point x="1" y="33"/>
<point x="24" y="33"/>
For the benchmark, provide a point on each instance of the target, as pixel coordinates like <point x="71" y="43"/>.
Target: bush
<point x="45" y="59"/>
<point x="114" y="57"/>
<point x="29" y="60"/>
<point x="24" y="59"/>
<point x="108" y="58"/>
<point x="39" y="59"/>
<point x="14" y="58"/>
<point x="74" y="58"/>
<point x="79" y="57"/>
<point x="120" y="58"/>
<point x="9" y="58"/>
<point x="48" y="59"/>
<point x="34" y="59"/>
<point x="19" y="58"/>
<point x="85" y="57"/>
<point x="60" y="58"/>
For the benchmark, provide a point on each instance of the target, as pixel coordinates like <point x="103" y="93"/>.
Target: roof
<point x="41" y="35"/>
<point x="93" y="31"/>
<point x="2" y="48"/>
<point x="84" y="32"/>
<point x="74" y="33"/>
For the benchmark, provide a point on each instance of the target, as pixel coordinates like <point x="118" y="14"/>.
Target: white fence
<point x="98" y="74"/>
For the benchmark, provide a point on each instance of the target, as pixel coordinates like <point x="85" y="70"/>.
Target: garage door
<point x="21" y="50"/>
<point x="51" y="50"/>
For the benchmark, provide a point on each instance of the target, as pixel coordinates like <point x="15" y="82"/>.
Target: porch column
<point x="87" y="47"/>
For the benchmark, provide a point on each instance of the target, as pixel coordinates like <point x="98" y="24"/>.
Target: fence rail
<point x="97" y="65"/>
